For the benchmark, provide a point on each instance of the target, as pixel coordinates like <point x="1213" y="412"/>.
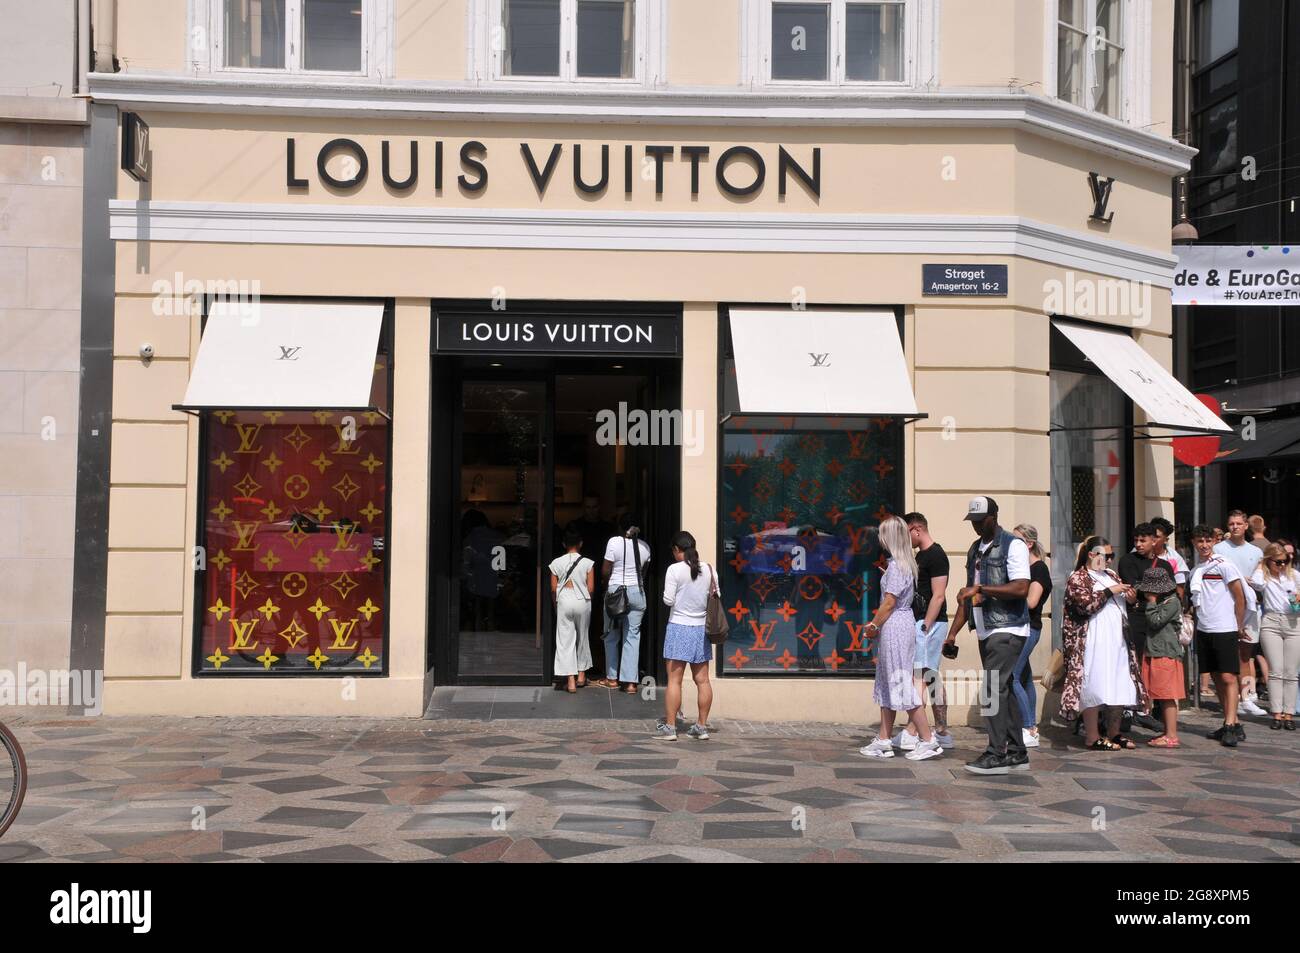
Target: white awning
<point x="821" y="362"/>
<point x="1166" y="402"/>
<point x="285" y="356"/>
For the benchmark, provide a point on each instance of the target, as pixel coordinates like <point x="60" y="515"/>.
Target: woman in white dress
<point x="1100" y="668"/>
<point x="573" y="578"/>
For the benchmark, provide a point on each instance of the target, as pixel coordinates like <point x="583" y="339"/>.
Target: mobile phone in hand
<point x="949" y="650"/>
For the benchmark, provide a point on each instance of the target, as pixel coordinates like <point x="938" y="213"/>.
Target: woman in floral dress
<point x="1100" y="667"/>
<point x="894" y="625"/>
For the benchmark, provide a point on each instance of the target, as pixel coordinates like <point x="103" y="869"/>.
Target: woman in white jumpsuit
<point x="573" y="579"/>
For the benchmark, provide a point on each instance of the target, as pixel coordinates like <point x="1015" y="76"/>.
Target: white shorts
<point x="1252" y="626"/>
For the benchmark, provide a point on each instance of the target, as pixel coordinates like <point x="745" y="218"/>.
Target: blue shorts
<point x="929" y="645"/>
<point x="687" y="643"/>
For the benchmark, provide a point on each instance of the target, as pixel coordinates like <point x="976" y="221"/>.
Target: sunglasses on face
<point x="1279" y="562"/>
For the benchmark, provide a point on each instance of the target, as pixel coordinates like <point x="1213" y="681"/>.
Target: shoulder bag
<point x="617" y="604"/>
<point x="715" y="617"/>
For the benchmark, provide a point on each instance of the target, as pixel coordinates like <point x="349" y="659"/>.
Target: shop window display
<point x="293" y="544"/>
<point x="800" y="561"/>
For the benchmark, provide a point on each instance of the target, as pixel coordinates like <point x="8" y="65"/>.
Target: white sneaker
<point x="905" y="740"/>
<point x="924" y="750"/>
<point x="1029" y="737"/>
<point x="879" y="748"/>
<point x="1247" y="706"/>
<point x="944" y="739"/>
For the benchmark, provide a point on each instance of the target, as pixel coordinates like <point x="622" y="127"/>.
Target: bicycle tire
<point x="12" y="751"/>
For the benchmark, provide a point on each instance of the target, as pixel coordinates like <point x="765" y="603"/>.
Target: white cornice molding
<point x="283" y="224"/>
<point x="759" y="107"/>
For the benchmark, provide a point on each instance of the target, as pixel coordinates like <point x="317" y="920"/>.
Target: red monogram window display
<point x="801" y="565"/>
<point x="295" y="508"/>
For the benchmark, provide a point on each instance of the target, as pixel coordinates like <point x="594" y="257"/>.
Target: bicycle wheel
<point x="13" y="778"/>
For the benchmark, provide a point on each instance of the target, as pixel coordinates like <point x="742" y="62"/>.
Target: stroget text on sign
<point x="964" y="280"/>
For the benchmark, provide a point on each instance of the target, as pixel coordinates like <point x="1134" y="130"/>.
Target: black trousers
<point x="999" y="653"/>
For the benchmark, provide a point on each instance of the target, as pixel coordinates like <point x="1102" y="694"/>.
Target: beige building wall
<point x="992" y="43"/>
<point x="703" y="43"/>
<point x="152" y="35"/>
<point x="40" y="342"/>
<point x="430" y="40"/>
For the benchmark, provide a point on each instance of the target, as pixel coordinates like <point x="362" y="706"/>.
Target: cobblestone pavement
<point x="314" y="789"/>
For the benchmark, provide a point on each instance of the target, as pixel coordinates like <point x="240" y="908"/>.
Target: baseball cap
<point x="980" y="507"/>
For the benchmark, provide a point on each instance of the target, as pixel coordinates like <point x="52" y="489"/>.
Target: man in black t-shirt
<point x="931" y="623"/>
<point x="1131" y="567"/>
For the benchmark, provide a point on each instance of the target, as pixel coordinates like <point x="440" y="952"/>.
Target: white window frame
<point x="920" y="46"/>
<point x="206" y="53"/>
<point x="1135" y="61"/>
<point x="486" y="62"/>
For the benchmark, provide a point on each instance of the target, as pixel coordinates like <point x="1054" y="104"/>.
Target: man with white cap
<point x="997" y="584"/>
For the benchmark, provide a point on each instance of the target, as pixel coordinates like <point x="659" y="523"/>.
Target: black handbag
<point x="617" y="603"/>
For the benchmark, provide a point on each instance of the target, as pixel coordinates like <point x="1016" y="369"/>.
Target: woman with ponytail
<point x="687" y="585"/>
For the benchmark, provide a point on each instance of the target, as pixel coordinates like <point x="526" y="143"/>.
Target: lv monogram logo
<point x="343" y="632"/>
<point x="248" y="434"/>
<point x="288" y="353"/>
<point x="243" y="633"/>
<point x="820" y="360"/>
<point x="247" y="532"/>
<point x="1100" y="197"/>
<point x="763" y="636"/>
<point x="343" y="533"/>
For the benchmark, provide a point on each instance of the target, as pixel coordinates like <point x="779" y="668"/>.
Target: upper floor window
<point x="308" y="36"/>
<point x="1090" y="45"/>
<point x="837" y="41"/>
<point x="569" y="39"/>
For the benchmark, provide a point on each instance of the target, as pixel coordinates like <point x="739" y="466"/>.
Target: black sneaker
<point x="1229" y="738"/>
<point x="989" y="763"/>
<point x="1147" y="722"/>
<point x="1240" y="731"/>
<point x="1017" y="762"/>
<point x="1217" y="733"/>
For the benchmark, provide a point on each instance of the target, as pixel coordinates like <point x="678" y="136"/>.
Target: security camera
<point x="146" y="352"/>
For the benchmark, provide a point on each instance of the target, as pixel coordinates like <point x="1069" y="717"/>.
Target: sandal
<point x="1124" y="743"/>
<point x="605" y="683"/>
<point x="630" y="689"/>
<point x="1163" y="741"/>
<point x="1103" y="744"/>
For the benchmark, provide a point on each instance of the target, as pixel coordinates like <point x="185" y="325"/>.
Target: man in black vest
<point x="997" y="583"/>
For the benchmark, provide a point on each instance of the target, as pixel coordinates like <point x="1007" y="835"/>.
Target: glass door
<point x="503" y="481"/>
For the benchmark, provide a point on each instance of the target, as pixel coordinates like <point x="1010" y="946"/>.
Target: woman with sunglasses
<point x="1276" y="582"/>
<point x="1100" y="668"/>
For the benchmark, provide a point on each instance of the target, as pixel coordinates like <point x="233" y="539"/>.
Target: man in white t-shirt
<point x="997" y="582"/>
<point x="1219" y="598"/>
<point x="1245" y="557"/>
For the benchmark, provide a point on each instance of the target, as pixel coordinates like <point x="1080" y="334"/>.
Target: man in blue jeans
<point x="997" y="582"/>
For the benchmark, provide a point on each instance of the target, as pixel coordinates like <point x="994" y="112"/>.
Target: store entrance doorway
<point x="539" y="445"/>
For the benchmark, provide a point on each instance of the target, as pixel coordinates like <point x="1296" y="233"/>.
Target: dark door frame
<point x="663" y="374"/>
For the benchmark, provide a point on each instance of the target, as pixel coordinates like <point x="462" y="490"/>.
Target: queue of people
<point x="1129" y="620"/>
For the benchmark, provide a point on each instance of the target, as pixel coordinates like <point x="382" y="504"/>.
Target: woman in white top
<point x="1276" y="582"/>
<point x="687" y="585"/>
<point x="626" y="557"/>
<point x="573" y="579"/>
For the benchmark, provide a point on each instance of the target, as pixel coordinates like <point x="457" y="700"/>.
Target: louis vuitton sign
<point x="426" y="167"/>
<point x="541" y="333"/>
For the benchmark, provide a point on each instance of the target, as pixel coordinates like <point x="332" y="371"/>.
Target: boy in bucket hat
<point x="1162" y="663"/>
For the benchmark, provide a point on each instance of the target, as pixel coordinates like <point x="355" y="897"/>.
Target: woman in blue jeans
<point x="626" y="557"/>
<point x="1040" y="587"/>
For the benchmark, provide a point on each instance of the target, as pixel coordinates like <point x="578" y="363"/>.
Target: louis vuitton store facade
<point x="392" y="356"/>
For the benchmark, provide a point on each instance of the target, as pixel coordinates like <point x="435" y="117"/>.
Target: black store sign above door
<point x="529" y="331"/>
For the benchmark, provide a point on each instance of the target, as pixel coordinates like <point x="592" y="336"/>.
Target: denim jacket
<point x="998" y="613"/>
